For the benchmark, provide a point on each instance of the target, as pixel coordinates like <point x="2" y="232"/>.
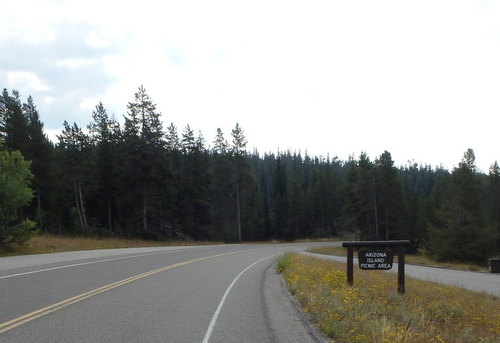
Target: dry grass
<point x="50" y="244"/>
<point x="409" y="258"/>
<point x="371" y="311"/>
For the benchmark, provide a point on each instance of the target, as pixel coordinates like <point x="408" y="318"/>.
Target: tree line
<point x="143" y="180"/>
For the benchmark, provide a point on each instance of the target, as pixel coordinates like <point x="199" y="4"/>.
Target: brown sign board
<point x="375" y="259"/>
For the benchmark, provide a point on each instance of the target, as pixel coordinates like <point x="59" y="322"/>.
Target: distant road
<point x="475" y="281"/>
<point x="224" y="293"/>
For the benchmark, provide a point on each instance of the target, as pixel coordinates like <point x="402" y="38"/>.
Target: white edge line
<point x="86" y="263"/>
<point x="219" y="308"/>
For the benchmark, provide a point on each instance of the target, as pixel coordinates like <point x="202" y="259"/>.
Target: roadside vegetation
<point x="371" y="311"/>
<point x="52" y="243"/>
<point x="419" y="259"/>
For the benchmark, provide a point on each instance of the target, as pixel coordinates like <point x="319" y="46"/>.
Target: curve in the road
<point x="11" y="324"/>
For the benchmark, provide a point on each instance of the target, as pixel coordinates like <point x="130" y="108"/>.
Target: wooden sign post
<point x="378" y="257"/>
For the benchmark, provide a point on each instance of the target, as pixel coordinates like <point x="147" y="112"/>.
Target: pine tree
<point x="325" y="193"/>
<point x="461" y="232"/>
<point x="239" y="141"/>
<point x="252" y="213"/>
<point x="221" y="187"/>
<point x="220" y="143"/>
<point x="390" y="211"/>
<point x="417" y="184"/>
<point x="494" y="200"/>
<point x="40" y="151"/>
<point x="15" y="123"/>
<point x="147" y="169"/>
<point x="349" y="211"/>
<point x="131" y="177"/>
<point x="105" y="135"/>
<point x="194" y="186"/>
<point x="144" y="111"/>
<point x="172" y="139"/>
<point x="360" y="211"/>
<point x="279" y="210"/>
<point x="73" y="149"/>
<point x="188" y="142"/>
<point x="296" y="211"/>
<point x="241" y="170"/>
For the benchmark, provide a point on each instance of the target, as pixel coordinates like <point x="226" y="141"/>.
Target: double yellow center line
<point x="11" y="324"/>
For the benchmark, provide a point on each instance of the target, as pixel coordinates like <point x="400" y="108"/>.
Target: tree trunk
<point x="110" y="219"/>
<point x="84" y="217"/>
<point x="375" y="213"/>
<point x="226" y="229"/>
<point x="238" y="211"/>
<point x="78" y="205"/>
<point x="144" y="210"/>
<point x="38" y="199"/>
<point x="386" y="224"/>
<point x="39" y="208"/>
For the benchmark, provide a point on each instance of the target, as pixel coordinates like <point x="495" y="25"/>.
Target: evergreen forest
<point x="139" y="178"/>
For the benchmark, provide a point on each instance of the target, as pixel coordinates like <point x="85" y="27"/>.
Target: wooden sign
<point x="375" y="259"/>
<point x="379" y="258"/>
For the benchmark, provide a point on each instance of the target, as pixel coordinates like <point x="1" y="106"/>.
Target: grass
<point x="420" y="259"/>
<point x="371" y="311"/>
<point x="284" y="261"/>
<point x="51" y="243"/>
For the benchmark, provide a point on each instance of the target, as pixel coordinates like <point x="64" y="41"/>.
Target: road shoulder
<point x="287" y="321"/>
<point x="487" y="283"/>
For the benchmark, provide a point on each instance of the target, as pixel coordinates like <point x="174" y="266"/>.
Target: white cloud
<point x="416" y="78"/>
<point x="25" y="81"/>
<point x="74" y="63"/>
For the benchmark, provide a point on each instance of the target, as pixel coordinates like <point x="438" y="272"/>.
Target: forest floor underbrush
<point x="372" y="311"/>
<point x="51" y="243"/>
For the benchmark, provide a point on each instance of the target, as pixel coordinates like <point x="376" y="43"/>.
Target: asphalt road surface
<point x="224" y="293"/>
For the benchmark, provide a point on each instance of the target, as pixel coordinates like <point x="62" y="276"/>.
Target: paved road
<point x="226" y="293"/>
<point x="475" y="281"/>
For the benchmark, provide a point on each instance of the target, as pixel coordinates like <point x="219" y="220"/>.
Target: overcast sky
<point x="420" y="79"/>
